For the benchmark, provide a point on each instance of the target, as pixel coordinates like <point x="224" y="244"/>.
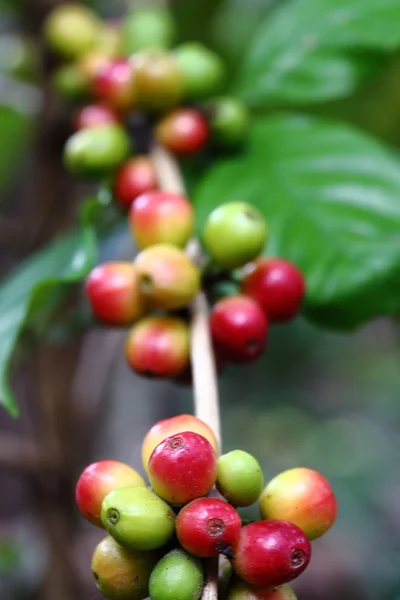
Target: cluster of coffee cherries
<point x="159" y="535"/>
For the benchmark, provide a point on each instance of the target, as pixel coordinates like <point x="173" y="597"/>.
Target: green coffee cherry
<point x="234" y="234"/>
<point x="202" y="70"/>
<point x="71" y="30"/>
<point x="70" y="83"/>
<point x="19" y="57"/>
<point x="178" y="576"/>
<point x="229" y="122"/>
<point x="137" y="519"/>
<point x="241" y="590"/>
<point x="148" y="29"/>
<point x="157" y="81"/>
<point x="91" y="152"/>
<point x="122" y="574"/>
<point x="240" y="479"/>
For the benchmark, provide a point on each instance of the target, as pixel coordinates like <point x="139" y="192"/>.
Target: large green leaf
<point x="331" y="196"/>
<point x="64" y="261"/>
<point x="309" y="50"/>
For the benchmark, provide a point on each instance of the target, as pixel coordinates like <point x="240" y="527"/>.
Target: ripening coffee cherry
<point x="169" y="427"/>
<point x="234" y="234"/>
<point x="277" y="285"/>
<point x="122" y="574"/>
<point x="113" y="290"/>
<point x="71" y="30"/>
<point x="148" y="29"/>
<point x="90" y="65"/>
<point x="168" y="278"/>
<point x="207" y="527"/>
<point x="70" y="83"/>
<point x="137" y="519"/>
<point x="97" y="481"/>
<point x="240" y="479"/>
<point x="271" y="553"/>
<point x="136" y="177"/>
<point x="184" y="131"/>
<point x="183" y="467"/>
<point x="303" y="497"/>
<point x="239" y="328"/>
<point x="178" y="576"/>
<point x="158" y="346"/>
<point x="241" y="590"/>
<point x="161" y="218"/>
<point x="93" y="152"/>
<point x="94" y="115"/>
<point x="229" y="122"/>
<point x="157" y="81"/>
<point x="202" y="70"/>
<point x="114" y="84"/>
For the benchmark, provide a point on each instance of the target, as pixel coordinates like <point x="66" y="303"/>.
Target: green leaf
<point x="331" y="197"/>
<point x="14" y="133"/>
<point x="309" y="50"/>
<point x="63" y="262"/>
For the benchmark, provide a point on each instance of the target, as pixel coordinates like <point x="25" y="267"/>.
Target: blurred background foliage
<point x="321" y="399"/>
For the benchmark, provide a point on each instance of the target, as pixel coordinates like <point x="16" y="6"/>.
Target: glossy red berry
<point x="161" y="217"/>
<point x="183" y="467"/>
<point x="277" y="285"/>
<point x="136" y="177"/>
<point x="158" y="346"/>
<point x="113" y="290"/>
<point x="94" y="115"/>
<point x="184" y="131"/>
<point x="97" y="481"/>
<point x="271" y="553"/>
<point x="114" y="84"/>
<point x="239" y="328"/>
<point x="208" y="526"/>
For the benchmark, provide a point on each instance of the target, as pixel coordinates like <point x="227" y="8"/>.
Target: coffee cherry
<point x="184" y="131"/>
<point x="97" y="481"/>
<point x="271" y="553"/>
<point x="240" y="478"/>
<point x="229" y="122"/>
<point x="70" y="83"/>
<point x="137" y="176"/>
<point x="303" y="497"/>
<point x="91" y="64"/>
<point x="109" y="42"/>
<point x="168" y="427"/>
<point x="168" y="278"/>
<point x="71" y="30"/>
<point x="95" y="115"/>
<point x="157" y="81"/>
<point x="239" y="328"/>
<point x="277" y="285"/>
<point x="203" y="71"/>
<point x="183" y="467"/>
<point x="208" y="526"/>
<point x="161" y="217"/>
<point x="137" y="519"/>
<point x="122" y="574"/>
<point x="113" y="290"/>
<point x="91" y="152"/>
<point x="178" y="576"/>
<point x="241" y="590"/>
<point x="234" y="234"/>
<point x="114" y="84"/>
<point x="148" y="29"/>
<point x="158" y="347"/>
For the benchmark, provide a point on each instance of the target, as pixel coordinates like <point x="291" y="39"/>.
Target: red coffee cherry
<point x="113" y="290"/>
<point x="208" y="526"/>
<point x="183" y="467"/>
<point x="161" y="217"/>
<point x="114" y="84"/>
<point x="239" y="328"/>
<point x="271" y="553"/>
<point x="183" y="131"/>
<point x="97" y="481"/>
<point x="133" y="179"/>
<point x="94" y="115"/>
<point x="277" y="285"/>
<point x="158" y="347"/>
